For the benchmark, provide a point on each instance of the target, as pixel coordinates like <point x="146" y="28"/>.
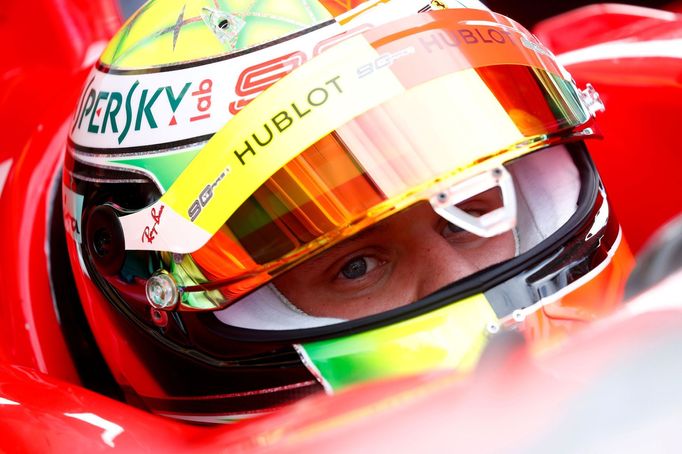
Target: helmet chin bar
<point x="489" y="224"/>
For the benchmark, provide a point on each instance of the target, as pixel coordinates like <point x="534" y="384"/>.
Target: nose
<point x="440" y="264"/>
<point x="434" y="261"/>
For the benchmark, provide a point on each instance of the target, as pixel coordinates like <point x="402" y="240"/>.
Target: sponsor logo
<point x="256" y="78"/>
<point x="150" y="233"/>
<point x="384" y="60"/>
<point x="203" y="100"/>
<point x="147" y="109"/>
<point x="441" y="39"/>
<point x="73" y="207"/>
<point x="205" y="196"/>
<point x="71" y="224"/>
<point x="280" y="122"/>
<point x="141" y="108"/>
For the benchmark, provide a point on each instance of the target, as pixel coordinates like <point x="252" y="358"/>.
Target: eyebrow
<point x="342" y="246"/>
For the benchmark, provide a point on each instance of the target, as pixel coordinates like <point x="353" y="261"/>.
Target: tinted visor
<point x="417" y="251"/>
<point x="475" y="97"/>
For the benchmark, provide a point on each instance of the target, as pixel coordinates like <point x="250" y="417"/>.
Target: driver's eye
<point x="358" y="267"/>
<point x="452" y="228"/>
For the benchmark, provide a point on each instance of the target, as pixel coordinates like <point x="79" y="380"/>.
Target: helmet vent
<point x="225" y="26"/>
<point x="104" y="240"/>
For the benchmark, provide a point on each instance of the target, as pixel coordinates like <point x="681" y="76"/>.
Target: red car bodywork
<point x="632" y="56"/>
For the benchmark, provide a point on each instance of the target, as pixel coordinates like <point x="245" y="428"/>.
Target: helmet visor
<point x="489" y="218"/>
<point x="473" y="98"/>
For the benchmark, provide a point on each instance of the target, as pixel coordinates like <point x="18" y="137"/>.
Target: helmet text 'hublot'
<point x="284" y="119"/>
<point x="440" y="39"/>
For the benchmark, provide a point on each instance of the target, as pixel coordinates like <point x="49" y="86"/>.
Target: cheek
<point x="300" y="292"/>
<point x="396" y="289"/>
<point x="495" y="250"/>
<point x="315" y="299"/>
<point x="399" y="293"/>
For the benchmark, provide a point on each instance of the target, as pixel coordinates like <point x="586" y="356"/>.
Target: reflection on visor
<point x="449" y="125"/>
<point x="416" y="252"/>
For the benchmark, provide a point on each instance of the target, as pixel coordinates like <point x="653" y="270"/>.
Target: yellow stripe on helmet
<point x="274" y="128"/>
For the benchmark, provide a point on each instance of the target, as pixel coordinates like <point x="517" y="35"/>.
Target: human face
<point x="394" y="263"/>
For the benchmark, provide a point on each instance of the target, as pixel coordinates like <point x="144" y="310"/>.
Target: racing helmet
<point x="266" y="200"/>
